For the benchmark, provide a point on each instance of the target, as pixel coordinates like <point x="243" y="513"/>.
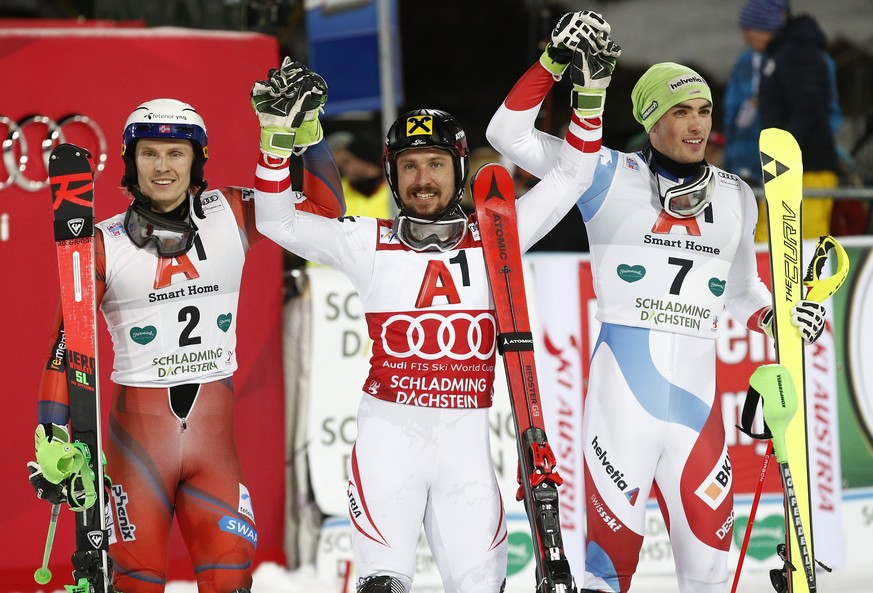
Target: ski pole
<point x="780" y="406"/>
<point x="752" y="514"/>
<point x="43" y="575"/>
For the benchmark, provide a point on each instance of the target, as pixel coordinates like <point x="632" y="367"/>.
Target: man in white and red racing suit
<point x="422" y="454"/>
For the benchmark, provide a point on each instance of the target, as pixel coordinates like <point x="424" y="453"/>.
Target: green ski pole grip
<point x="774" y="383"/>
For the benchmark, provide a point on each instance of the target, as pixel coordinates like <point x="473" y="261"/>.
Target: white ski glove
<point x="288" y="104"/>
<point x="574" y="30"/>
<point x="591" y="73"/>
<point x="807" y="316"/>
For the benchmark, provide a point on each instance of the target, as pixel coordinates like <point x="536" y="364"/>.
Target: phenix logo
<point x="125" y="526"/>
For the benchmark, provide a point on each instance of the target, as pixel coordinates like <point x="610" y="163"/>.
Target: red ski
<point x="72" y="187"/>
<point x="494" y="195"/>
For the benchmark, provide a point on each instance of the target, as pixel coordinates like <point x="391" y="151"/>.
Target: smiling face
<point x="681" y="133"/>
<point x="425" y="180"/>
<point x="163" y="171"/>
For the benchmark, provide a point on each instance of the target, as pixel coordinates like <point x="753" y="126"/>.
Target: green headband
<point x="662" y="87"/>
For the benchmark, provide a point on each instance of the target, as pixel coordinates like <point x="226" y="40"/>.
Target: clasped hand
<point x="288" y="104"/>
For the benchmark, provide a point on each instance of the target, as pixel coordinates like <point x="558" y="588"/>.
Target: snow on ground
<point x="272" y="578"/>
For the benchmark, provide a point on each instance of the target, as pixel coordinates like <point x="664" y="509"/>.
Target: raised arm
<point x="288" y="104"/>
<point x="512" y="129"/>
<point x="570" y="171"/>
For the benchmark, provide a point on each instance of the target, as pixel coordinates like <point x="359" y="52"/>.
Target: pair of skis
<point x="72" y="186"/>
<point x="494" y="195"/>
<point x="782" y="385"/>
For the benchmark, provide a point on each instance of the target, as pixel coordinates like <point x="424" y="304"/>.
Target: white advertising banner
<point x="553" y="291"/>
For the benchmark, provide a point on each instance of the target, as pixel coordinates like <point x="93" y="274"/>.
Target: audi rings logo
<point x="19" y="154"/>
<point x="433" y="336"/>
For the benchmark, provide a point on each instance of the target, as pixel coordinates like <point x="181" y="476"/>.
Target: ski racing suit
<point x="170" y="448"/>
<point x="651" y="416"/>
<point x="422" y="454"/>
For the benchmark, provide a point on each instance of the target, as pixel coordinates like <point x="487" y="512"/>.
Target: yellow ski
<point x="783" y="187"/>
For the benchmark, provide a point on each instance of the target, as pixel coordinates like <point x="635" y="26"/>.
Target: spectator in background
<point x="785" y="80"/>
<point x="359" y="160"/>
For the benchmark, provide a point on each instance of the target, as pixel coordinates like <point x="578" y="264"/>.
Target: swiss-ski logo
<point x="96" y="539"/>
<point x="76" y="225"/>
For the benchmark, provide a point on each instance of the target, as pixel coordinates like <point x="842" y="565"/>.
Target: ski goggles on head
<point x="428" y="235"/>
<point x="688" y="199"/>
<point x="172" y="238"/>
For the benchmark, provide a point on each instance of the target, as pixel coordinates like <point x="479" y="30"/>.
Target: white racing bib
<point x="173" y="320"/>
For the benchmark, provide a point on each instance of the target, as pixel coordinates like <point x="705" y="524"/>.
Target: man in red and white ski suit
<point x="168" y="280"/>
<point x="422" y="454"/>
<point x="671" y="245"/>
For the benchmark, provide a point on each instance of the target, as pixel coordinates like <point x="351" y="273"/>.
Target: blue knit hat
<point x="764" y="15"/>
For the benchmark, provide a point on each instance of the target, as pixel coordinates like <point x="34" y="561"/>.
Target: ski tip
<point x="777" y="135"/>
<point x="69" y="158"/>
<point x="492" y="181"/>
<point x="67" y="150"/>
<point x="779" y="145"/>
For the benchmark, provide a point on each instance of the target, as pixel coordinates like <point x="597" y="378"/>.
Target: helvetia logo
<point x="680" y="81"/>
<point x="615" y="475"/>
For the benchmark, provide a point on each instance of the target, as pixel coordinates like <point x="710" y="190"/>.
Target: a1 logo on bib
<point x="630" y="273"/>
<point x="716" y="286"/>
<point x="143" y="335"/>
<point x="223" y="321"/>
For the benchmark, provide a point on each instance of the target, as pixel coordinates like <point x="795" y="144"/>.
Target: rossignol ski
<point x="72" y="187"/>
<point x="494" y="195"/>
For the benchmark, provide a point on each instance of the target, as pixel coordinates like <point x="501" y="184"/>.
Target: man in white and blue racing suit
<point x="671" y="246"/>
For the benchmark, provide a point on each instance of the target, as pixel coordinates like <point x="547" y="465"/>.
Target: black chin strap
<point x="146" y="202"/>
<point x="663" y="162"/>
<point x="198" y="205"/>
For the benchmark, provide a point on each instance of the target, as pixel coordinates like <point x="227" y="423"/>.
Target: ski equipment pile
<point x="72" y="187"/>
<point x="494" y="195"/>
